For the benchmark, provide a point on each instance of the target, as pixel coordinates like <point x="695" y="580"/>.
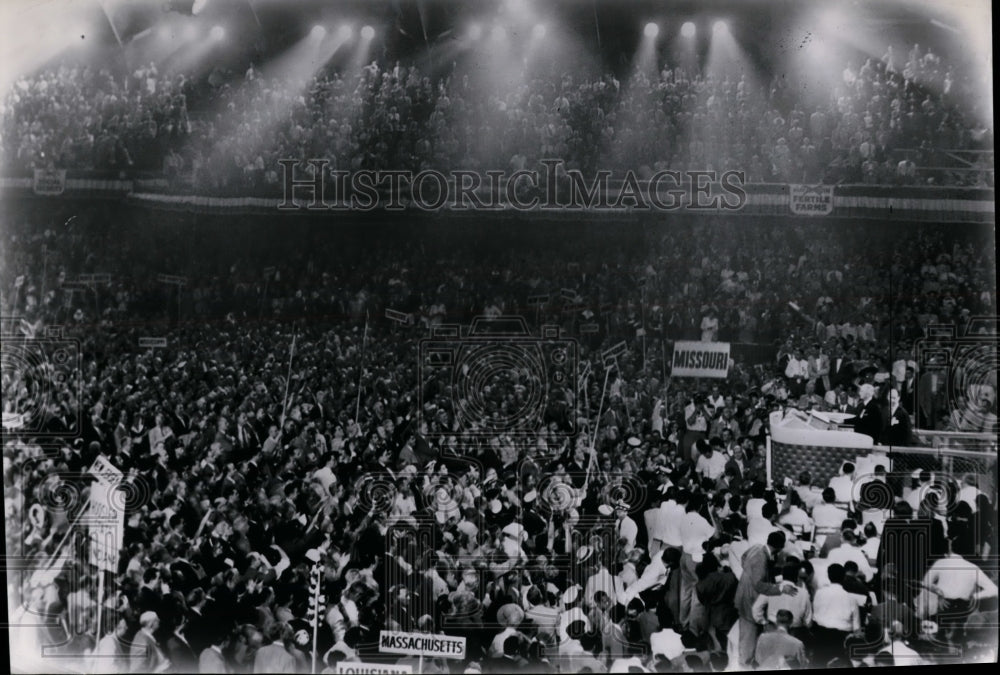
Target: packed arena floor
<point x="237" y="486"/>
<point x="238" y="439"/>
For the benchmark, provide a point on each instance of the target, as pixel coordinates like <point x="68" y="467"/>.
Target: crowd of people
<point x="288" y="429"/>
<point x="884" y="121"/>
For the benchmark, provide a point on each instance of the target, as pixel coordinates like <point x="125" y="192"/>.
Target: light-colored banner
<point x="700" y="359"/>
<point x="421" y="644"/>
<point x="811" y="200"/>
<point x="358" y="668"/>
<point x="49" y="182"/>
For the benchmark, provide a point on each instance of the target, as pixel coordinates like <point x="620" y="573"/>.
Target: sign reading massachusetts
<point x="421" y="644"/>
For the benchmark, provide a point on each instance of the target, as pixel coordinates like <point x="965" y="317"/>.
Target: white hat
<point x="468" y="529"/>
<point x="623" y="665"/>
<point x="666" y="643"/>
<point x="571" y="594"/>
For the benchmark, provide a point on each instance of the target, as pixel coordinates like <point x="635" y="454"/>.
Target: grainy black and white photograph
<point x="492" y="336"/>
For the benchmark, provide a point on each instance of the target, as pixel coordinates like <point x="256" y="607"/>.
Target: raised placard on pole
<point x="421" y="644"/>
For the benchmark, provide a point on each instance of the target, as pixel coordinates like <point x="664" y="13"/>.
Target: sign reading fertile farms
<point x="811" y="200"/>
<point x="700" y="359"/>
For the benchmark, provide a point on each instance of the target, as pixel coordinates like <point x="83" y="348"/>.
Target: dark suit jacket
<point x="182" y="656"/>
<point x="908" y="395"/>
<point x="899" y="430"/>
<point x="869" y="420"/>
<point x="756" y="579"/>
<point x="843" y="375"/>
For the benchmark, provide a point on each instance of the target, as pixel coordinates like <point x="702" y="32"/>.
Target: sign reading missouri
<point x="421" y="644"/>
<point x="700" y="359"/>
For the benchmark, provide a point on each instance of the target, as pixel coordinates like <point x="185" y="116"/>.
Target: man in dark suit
<point x="899" y="430"/>
<point x="247" y="442"/>
<point x="756" y="580"/>
<point x="931" y="396"/>
<point x="869" y="420"/>
<point x="841" y="368"/>
<point x="183" y="658"/>
<point x="908" y="391"/>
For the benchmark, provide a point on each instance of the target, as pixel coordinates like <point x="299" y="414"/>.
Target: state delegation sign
<point x="421" y="644"/>
<point x="105" y="516"/>
<point x="358" y="668"/>
<point x="700" y="359"/>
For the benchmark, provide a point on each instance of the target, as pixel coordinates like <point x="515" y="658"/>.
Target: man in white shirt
<point x="760" y="526"/>
<point x="766" y="607"/>
<point x="970" y="491"/>
<point x="835" y="615"/>
<point x="810" y="494"/>
<point x="601" y="581"/>
<point x="797" y="371"/>
<point x="827" y="515"/>
<point x="849" y="550"/>
<point x="696" y="416"/>
<point x="959" y="584"/>
<point x="715" y="399"/>
<point x="654" y="575"/>
<point x="796" y="518"/>
<point x="671" y="515"/>
<point x="711" y="464"/>
<point x="626" y="528"/>
<point x="695" y="531"/>
<point x="843" y="485"/>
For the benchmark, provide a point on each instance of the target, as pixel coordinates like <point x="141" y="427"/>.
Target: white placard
<point x="421" y="644"/>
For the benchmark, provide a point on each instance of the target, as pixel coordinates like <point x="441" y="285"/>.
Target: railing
<point x="957" y="456"/>
<point x="910" y="203"/>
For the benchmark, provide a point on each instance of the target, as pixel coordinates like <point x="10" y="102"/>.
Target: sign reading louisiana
<point x="700" y="359"/>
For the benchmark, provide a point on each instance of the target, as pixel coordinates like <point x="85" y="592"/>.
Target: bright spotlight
<point x="318" y="32"/>
<point x="217" y="33"/>
<point x="475" y="31"/>
<point x="498" y="33"/>
<point x="720" y="27"/>
<point x="688" y="29"/>
<point x="198" y="6"/>
<point x="345" y="32"/>
<point x="538" y="31"/>
<point x="651" y="30"/>
<point x="367" y="32"/>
